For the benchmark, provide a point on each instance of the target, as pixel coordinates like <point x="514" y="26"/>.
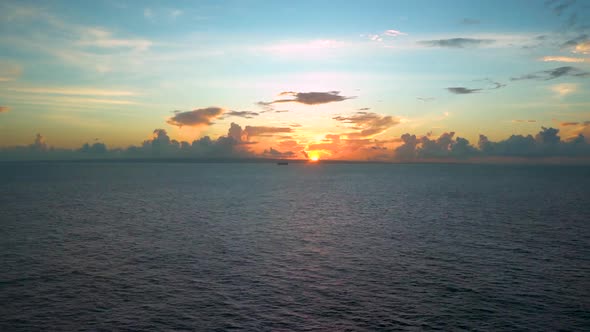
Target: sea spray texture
<point x="164" y="246"/>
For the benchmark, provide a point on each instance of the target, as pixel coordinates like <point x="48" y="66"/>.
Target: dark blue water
<point x="262" y="247"/>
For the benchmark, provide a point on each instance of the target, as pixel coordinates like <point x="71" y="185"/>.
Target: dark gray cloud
<point x="446" y="146"/>
<point x="559" y="7"/>
<point x="4" y="109"/>
<point x="546" y="144"/>
<point x="576" y="41"/>
<point x="368" y="124"/>
<point x="574" y="15"/>
<point x="551" y="74"/>
<point x="272" y="153"/>
<point x="494" y="85"/>
<point x="469" y="21"/>
<point x="241" y="114"/>
<point x="198" y="117"/>
<point x="491" y="85"/>
<point x="457" y="42"/>
<point x="94" y="149"/>
<point x="308" y="98"/>
<point x="459" y="90"/>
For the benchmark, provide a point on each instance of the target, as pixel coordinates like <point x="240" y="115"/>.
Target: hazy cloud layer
<point x="425" y="99"/>
<point x="9" y="71"/>
<point x="251" y="131"/>
<point x="308" y="98"/>
<point x="469" y="21"/>
<point x="564" y="59"/>
<point x="368" y="124"/>
<point x="551" y="74"/>
<point x="457" y="42"/>
<point x="198" y="117"/>
<point x="565" y="124"/>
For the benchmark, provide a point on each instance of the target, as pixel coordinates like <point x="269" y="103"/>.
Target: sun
<point x="314" y="156"/>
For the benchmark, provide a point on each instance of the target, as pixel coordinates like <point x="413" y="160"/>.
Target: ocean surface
<point x="303" y="247"/>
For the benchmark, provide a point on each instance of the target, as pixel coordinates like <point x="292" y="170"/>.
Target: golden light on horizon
<point x="314" y="156"/>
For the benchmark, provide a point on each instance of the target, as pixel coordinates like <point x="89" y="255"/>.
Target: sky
<point x="371" y="80"/>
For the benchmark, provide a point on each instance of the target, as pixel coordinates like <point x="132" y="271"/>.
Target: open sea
<point x="303" y="247"/>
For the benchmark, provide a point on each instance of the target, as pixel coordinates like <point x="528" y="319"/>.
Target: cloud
<point x="564" y="59"/>
<point x="551" y="74"/>
<point x="583" y="48"/>
<point x="469" y="21"/>
<point x="74" y="91"/>
<point x="87" y="47"/>
<point x="242" y="114"/>
<point x="308" y="98"/>
<point x="251" y="131"/>
<point x="394" y="33"/>
<point x="564" y="89"/>
<point x="459" y="90"/>
<point x="272" y="153"/>
<point x="368" y="124"/>
<point x="387" y="34"/>
<point x="198" y="117"/>
<point x="148" y="13"/>
<point x="457" y="42"/>
<point x="425" y="99"/>
<point x="546" y="144"/>
<point x="559" y="6"/>
<point x="174" y="13"/>
<point x="574" y="42"/>
<point x="521" y="121"/>
<point x="9" y="71"/>
<point x="4" y="109"/>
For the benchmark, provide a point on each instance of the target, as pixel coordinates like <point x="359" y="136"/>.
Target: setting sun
<point x="314" y="156"/>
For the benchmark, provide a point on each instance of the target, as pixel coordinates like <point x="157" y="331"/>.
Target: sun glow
<point x="314" y="157"/>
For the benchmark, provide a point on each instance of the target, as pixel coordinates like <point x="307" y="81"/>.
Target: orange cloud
<point x="583" y="48"/>
<point x="564" y="59"/>
<point x="369" y="124"/>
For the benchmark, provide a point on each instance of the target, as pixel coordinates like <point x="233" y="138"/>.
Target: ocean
<point x="304" y="247"/>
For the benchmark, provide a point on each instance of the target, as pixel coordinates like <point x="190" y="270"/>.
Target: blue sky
<point x="113" y="71"/>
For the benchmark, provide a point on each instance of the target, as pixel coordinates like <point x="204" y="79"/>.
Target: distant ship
<point x="282" y="163"/>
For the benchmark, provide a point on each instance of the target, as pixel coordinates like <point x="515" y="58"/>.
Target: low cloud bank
<point x="546" y="144"/>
